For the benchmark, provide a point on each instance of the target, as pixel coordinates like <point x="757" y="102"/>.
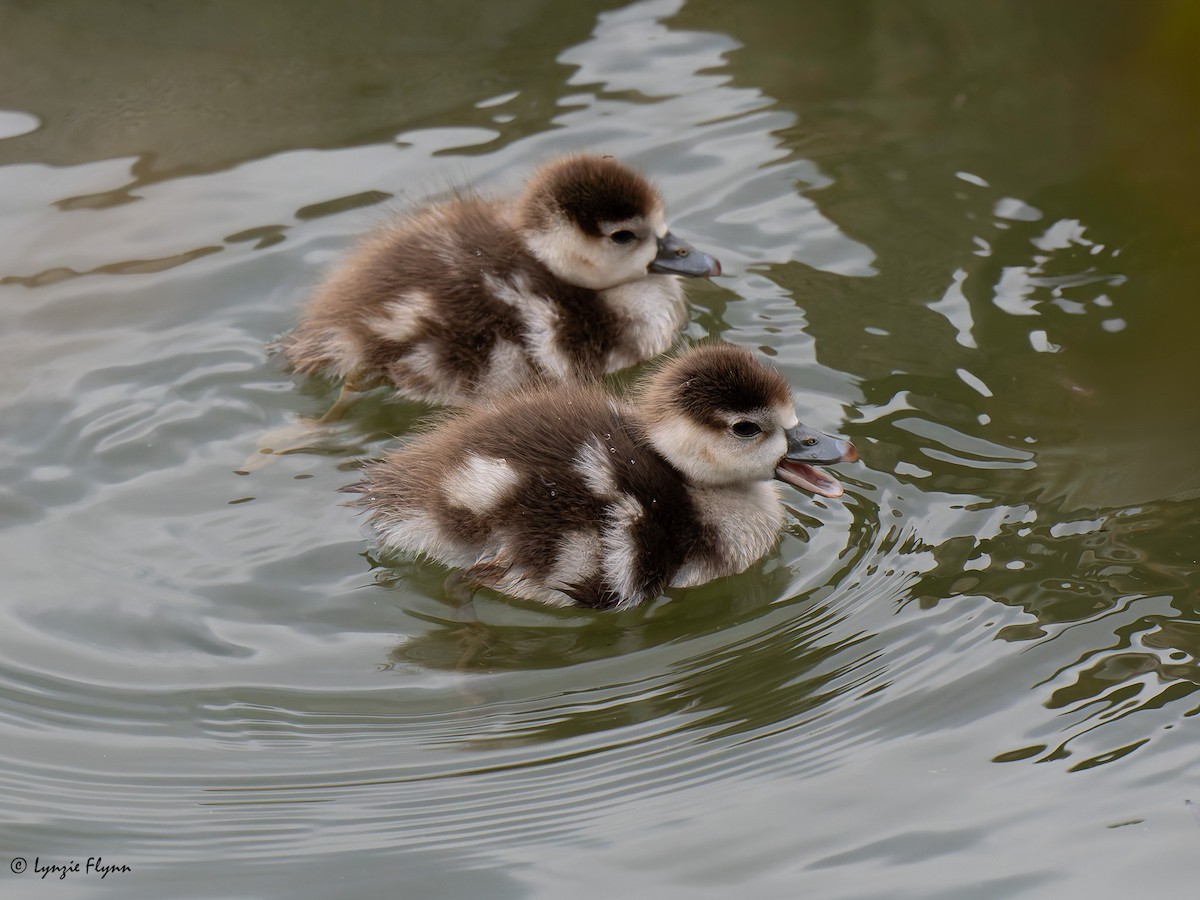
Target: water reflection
<point x="555" y="639"/>
<point x="182" y="97"/>
<point x="966" y="234"/>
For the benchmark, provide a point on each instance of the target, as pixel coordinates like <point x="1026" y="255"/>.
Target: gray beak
<point x="676" y="257"/>
<point x="807" y="447"/>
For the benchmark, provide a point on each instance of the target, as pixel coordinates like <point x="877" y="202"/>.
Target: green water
<point x="967" y="233"/>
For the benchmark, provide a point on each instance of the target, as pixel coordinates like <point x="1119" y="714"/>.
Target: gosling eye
<point x="623" y="237"/>
<point x="745" y="429"/>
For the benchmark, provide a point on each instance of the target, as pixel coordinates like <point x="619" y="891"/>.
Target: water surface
<point x="965" y="233"/>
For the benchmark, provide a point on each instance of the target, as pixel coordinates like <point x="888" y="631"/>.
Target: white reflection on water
<point x="14" y="123"/>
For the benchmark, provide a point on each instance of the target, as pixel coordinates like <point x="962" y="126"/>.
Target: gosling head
<point x="722" y="418"/>
<point x="597" y="223"/>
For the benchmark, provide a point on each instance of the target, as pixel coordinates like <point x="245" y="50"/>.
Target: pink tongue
<point x="807" y="478"/>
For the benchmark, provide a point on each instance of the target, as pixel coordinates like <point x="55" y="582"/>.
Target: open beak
<point x="806" y="447"/>
<point x="676" y="257"/>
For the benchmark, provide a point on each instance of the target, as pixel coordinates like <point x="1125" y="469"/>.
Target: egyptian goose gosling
<point x="472" y="298"/>
<point x="567" y="495"/>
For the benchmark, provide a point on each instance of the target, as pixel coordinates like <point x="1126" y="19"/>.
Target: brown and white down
<point x="472" y="298"/>
<point x="570" y="496"/>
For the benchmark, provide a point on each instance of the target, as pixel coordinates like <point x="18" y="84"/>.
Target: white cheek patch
<point x="682" y="442"/>
<point x="734" y="461"/>
<point x="786" y="416"/>
<point x="596" y="263"/>
<point x="708" y="457"/>
<point x="640" y="264"/>
<point x="620" y="264"/>
<point x="480" y="483"/>
<point x="562" y="250"/>
<point x="769" y="454"/>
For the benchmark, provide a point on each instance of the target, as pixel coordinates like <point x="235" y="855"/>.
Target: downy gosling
<point x="472" y="298"/>
<point x="565" y="494"/>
